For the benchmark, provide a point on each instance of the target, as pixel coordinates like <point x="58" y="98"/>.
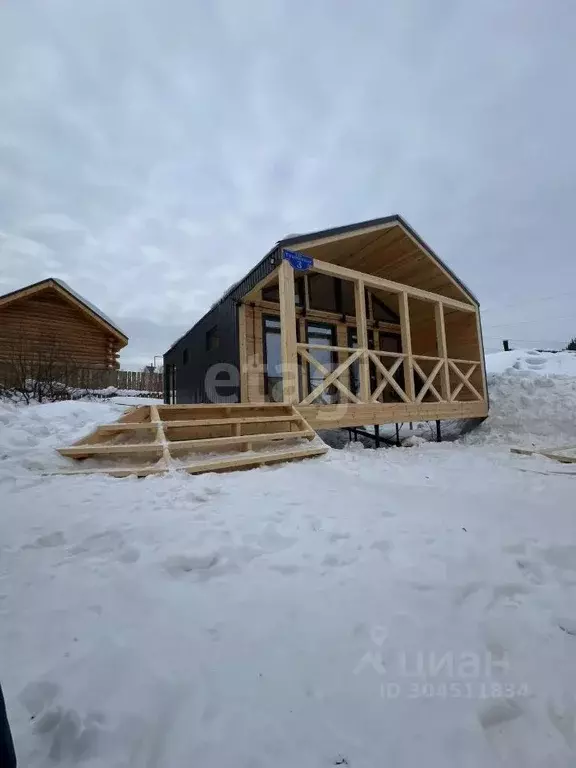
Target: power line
<point x="527" y="301"/>
<point x="527" y="322"/>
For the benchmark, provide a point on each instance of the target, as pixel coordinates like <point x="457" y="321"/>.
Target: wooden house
<point x="49" y="318"/>
<point x="356" y="325"/>
<point x="360" y="324"/>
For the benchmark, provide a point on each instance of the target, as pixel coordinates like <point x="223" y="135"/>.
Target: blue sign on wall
<point x="298" y="260"/>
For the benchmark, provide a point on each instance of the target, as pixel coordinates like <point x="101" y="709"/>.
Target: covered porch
<point x="348" y="347"/>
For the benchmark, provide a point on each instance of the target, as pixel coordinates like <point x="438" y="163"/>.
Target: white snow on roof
<point x="89" y="304"/>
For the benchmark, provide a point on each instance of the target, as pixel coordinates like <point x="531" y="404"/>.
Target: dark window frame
<point x="212" y="340"/>
<point x="333" y="354"/>
<point x="265" y="330"/>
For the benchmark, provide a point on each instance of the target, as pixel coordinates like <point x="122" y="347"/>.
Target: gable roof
<point x="70" y="295"/>
<point x="348" y="230"/>
<point x="376" y="224"/>
<point x="269" y="262"/>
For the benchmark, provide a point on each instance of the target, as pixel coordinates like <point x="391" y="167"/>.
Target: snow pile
<point x="522" y="361"/>
<point x="29" y="435"/>
<point x="532" y="399"/>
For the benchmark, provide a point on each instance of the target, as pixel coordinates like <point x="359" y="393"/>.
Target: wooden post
<point x="243" y="353"/>
<point x="362" y="336"/>
<point x="288" y="333"/>
<point x="404" y="312"/>
<point x="442" y="351"/>
<point x="506" y="345"/>
<point x="302" y="367"/>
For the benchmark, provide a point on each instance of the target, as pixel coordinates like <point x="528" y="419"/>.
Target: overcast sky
<point x="151" y="152"/>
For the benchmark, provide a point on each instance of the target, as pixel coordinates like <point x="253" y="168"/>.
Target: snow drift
<point x="532" y="399"/>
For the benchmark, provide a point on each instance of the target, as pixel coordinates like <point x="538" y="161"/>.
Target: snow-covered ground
<point x="412" y="606"/>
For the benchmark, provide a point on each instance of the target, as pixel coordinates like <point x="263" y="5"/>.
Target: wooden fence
<point x="140" y="381"/>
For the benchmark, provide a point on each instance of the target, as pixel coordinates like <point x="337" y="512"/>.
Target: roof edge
<point x="55" y="282"/>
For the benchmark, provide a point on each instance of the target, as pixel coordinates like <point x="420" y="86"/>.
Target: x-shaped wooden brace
<point x="330" y="377"/>
<point x="428" y="385"/>
<point x="464" y="381"/>
<point x="388" y="378"/>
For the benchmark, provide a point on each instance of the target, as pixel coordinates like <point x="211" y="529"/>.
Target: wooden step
<point x="236" y="420"/>
<point x="228" y="464"/>
<point x="83" y="451"/>
<point x="77" y="451"/>
<point x="232" y="463"/>
<point x="179" y="423"/>
<point x="115" y="471"/>
<point x="229" y="442"/>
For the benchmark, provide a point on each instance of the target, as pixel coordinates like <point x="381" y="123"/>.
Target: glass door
<point x="325" y="335"/>
<point x="272" y="359"/>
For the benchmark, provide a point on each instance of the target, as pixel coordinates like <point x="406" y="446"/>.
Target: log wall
<point x="46" y="320"/>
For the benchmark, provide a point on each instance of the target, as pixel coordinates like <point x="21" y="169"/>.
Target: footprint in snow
<point x="103" y="543"/>
<point x="64" y="733"/>
<point x="198" y="567"/>
<point x="563" y="718"/>
<point x="498" y="712"/>
<point x="382" y="546"/>
<point x="531" y="571"/>
<point x="508" y="593"/>
<point x="54" y="539"/>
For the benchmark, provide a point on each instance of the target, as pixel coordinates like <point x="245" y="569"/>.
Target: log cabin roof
<point x="55" y="283"/>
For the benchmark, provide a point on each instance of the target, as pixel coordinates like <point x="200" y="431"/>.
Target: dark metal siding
<point x="192" y="384"/>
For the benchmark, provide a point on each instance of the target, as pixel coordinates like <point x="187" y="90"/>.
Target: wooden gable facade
<point x="361" y="324"/>
<point x="49" y="318"/>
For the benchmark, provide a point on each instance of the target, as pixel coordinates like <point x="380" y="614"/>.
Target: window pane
<point x="273" y="356"/>
<point x="325" y="335"/>
<point x="212" y="338"/>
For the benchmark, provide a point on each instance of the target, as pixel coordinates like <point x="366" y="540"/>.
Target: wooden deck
<point x="355" y="415"/>
<point x="158" y="439"/>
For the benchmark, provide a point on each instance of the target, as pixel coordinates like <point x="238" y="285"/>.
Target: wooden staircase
<point x="153" y="439"/>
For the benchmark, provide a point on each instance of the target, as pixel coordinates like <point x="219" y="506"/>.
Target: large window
<point x="325" y="335"/>
<point x="212" y="340"/>
<point x="272" y="359"/>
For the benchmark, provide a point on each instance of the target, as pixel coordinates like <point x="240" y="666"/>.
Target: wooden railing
<point x="439" y="379"/>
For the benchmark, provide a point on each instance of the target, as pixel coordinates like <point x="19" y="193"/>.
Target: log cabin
<point x="49" y="318"/>
<point x="354" y="325"/>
